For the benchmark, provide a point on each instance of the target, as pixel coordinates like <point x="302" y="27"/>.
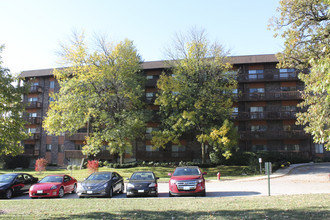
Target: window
<point x="51" y="84"/>
<point x="78" y="146"/>
<point x="32" y="130"/>
<point x="150" y="95"/>
<point x="149" y="77"/>
<point x="48" y="147"/>
<point x="35" y="84"/>
<point x="258" y="127"/>
<point x="287" y="73"/>
<point x="259" y="147"/>
<point x="288" y="108"/>
<point x="256" y="112"/>
<point x="33" y="114"/>
<point x="235" y="111"/>
<point x="61" y="148"/>
<point x="177" y="149"/>
<point x="319" y="148"/>
<point x="291" y="147"/>
<point x="288" y="88"/>
<point x="33" y="99"/>
<point x="256" y="74"/>
<point x="257" y="90"/>
<point x="149" y="148"/>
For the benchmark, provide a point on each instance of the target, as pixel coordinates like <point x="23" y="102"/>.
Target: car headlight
<point x="31" y="188"/>
<point x="130" y="185"/>
<point x="173" y="181"/>
<point x="105" y="185"/>
<point x="152" y="185"/>
<point x="53" y="187"/>
<point x="199" y="180"/>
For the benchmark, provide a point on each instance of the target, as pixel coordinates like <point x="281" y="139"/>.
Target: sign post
<point x="268" y="168"/>
<point x="260" y="161"/>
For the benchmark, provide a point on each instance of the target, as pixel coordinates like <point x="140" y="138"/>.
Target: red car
<point x="187" y="181"/>
<point x="53" y="186"/>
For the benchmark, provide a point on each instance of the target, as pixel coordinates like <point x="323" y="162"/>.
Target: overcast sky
<point x="32" y="29"/>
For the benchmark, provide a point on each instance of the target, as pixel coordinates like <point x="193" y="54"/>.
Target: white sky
<point x="32" y="29"/>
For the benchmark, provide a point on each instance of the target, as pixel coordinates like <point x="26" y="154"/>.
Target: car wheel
<point x="33" y="197"/>
<point x="9" y="194"/>
<point x="170" y="194"/>
<point x="110" y="192"/>
<point x="81" y="197"/>
<point x="74" y="189"/>
<point x="60" y="192"/>
<point x="203" y="193"/>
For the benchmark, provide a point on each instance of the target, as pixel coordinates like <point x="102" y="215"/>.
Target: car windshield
<point x="52" y="179"/>
<point x="143" y="176"/>
<point x="186" y="171"/>
<point x="99" y="176"/>
<point x="6" y="178"/>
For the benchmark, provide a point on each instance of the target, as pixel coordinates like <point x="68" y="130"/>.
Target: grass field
<point x="274" y="207"/>
<point x="227" y="172"/>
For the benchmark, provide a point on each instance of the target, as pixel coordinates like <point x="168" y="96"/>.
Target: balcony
<point x="76" y="137"/>
<point x="35" y="89"/>
<point x="151" y="82"/>
<point x="31" y="152"/>
<point x="271" y="115"/>
<point x="29" y="105"/>
<point x="35" y="136"/>
<point x="270" y="96"/>
<point x="33" y="120"/>
<point x="273" y="135"/>
<point x="164" y="156"/>
<point x="268" y="75"/>
<point x="103" y="155"/>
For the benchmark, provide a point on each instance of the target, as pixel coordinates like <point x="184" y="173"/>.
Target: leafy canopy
<point x="12" y="125"/>
<point x="197" y="97"/>
<point x="306" y="29"/>
<point x="100" y="90"/>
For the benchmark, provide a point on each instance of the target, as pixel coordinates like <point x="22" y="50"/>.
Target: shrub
<point x="93" y="166"/>
<point x="69" y="167"/>
<point x="40" y="165"/>
<point x="11" y="162"/>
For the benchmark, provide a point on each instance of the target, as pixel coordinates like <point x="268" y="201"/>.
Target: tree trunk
<point x="203" y="153"/>
<point x="121" y="158"/>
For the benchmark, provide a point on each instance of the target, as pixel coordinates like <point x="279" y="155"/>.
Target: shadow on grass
<point x="315" y="213"/>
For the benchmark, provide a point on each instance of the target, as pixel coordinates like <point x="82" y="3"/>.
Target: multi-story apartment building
<point x="264" y="114"/>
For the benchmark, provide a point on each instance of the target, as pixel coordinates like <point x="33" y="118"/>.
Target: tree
<point x="100" y="90"/>
<point x="306" y="29"/>
<point x="196" y="98"/>
<point x="12" y="124"/>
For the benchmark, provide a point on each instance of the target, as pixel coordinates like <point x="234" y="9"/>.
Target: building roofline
<point x="235" y="60"/>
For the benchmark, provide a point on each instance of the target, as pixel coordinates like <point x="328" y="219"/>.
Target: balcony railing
<point x="33" y="120"/>
<point x="151" y="82"/>
<point x="30" y="105"/>
<point x="76" y="137"/>
<point x="31" y="152"/>
<point x="34" y="136"/>
<point x="35" y="89"/>
<point x="268" y="75"/>
<point x="103" y="155"/>
<point x="291" y="95"/>
<point x="164" y="156"/>
<point x="248" y="135"/>
<point x="270" y="115"/>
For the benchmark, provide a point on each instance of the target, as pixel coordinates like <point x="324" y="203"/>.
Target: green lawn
<point x="227" y="172"/>
<point x="260" y="207"/>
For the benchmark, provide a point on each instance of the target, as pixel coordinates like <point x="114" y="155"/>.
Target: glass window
<point x="258" y="127"/>
<point x="178" y="148"/>
<point x="33" y="99"/>
<point x="35" y="84"/>
<point x="32" y="130"/>
<point x="259" y="147"/>
<point x="149" y="77"/>
<point x="288" y="88"/>
<point x="78" y="146"/>
<point x="149" y="148"/>
<point x="256" y="109"/>
<point x="289" y="108"/>
<point x="48" y="147"/>
<point x="149" y="94"/>
<point x="32" y="114"/>
<point x="291" y="147"/>
<point x="287" y="70"/>
<point x="61" y="148"/>
<point x="51" y="84"/>
<point x="319" y="148"/>
<point x="256" y="74"/>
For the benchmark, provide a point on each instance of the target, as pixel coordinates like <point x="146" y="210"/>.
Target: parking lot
<point x="307" y="179"/>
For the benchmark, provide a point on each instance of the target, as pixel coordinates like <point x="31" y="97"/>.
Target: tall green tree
<point x="12" y="124"/>
<point x="102" y="90"/>
<point x="305" y="26"/>
<point x="196" y="98"/>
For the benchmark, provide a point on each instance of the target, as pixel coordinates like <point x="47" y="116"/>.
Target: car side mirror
<point x="205" y="173"/>
<point x="169" y="174"/>
<point x="157" y="178"/>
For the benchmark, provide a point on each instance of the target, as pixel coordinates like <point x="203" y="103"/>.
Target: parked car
<point x="15" y="183"/>
<point x="53" y="186"/>
<point x="187" y="181"/>
<point x="101" y="184"/>
<point x="142" y="183"/>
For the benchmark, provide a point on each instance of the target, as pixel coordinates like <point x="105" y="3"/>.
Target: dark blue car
<point x="15" y="183"/>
